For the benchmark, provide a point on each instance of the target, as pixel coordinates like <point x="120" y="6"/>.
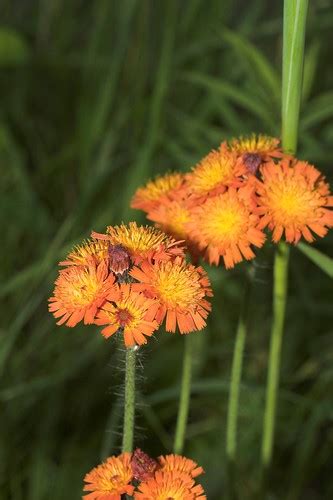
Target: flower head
<point x="110" y="480"/>
<point x="293" y="199"/>
<point x="172" y="216"/>
<point x="180" y="464"/>
<point x="214" y="173"/>
<point x="142" y="242"/>
<point x="224" y="226"/>
<point x="79" y="292"/>
<point x="180" y="289"/>
<point x="149" y="196"/>
<point x="254" y="150"/>
<point x="129" y="312"/>
<point x="89" y="251"/>
<point x="167" y="485"/>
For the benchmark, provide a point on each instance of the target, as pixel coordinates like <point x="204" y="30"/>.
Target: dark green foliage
<point x="97" y="97"/>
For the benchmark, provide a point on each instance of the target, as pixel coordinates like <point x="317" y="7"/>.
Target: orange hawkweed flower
<point x="130" y="312"/>
<point x="148" y="197"/>
<point x="110" y="480"/>
<point x="79" y="292"/>
<point x="84" y="254"/>
<point x="214" y="173"/>
<point x="141" y="242"/>
<point x="255" y="149"/>
<point x="224" y="226"/>
<point x="293" y="199"/>
<point x="172" y="216"/>
<point x="180" y="289"/>
<point x="169" y="485"/>
<point x="180" y="464"/>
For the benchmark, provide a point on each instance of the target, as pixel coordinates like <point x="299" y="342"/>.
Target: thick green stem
<point x="185" y="393"/>
<point x="279" y="306"/>
<point x="294" y="22"/>
<point x="129" y="404"/>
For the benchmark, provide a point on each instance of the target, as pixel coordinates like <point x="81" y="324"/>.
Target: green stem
<point x="236" y="373"/>
<point x="185" y="393"/>
<point x="129" y="404"/>
<point x="294" y="24"/>
<point x="279" y="306"/>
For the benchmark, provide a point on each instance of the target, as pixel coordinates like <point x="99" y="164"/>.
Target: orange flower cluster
<point x="170" y="476"/>
<point x="221" y="208"/>
<point x="129" y="280"/>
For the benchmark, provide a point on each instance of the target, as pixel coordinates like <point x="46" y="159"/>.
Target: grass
<point x="96" y="99"/>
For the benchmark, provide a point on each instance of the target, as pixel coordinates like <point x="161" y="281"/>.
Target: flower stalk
<point x="294" y="24"/>
<point x="185" y="394"/>
<point x="129" y="403"/>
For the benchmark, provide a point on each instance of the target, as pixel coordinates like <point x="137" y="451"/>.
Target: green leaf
<point x="321" y="260"/>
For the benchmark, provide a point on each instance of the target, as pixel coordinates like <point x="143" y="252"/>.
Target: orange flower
<point x="130" y="312"/>
<point x="79" y="292"/>
<point x="255" y="149"/>
<point x="293" y="199"/>
<point x="88" y="251"/>
<point x="180" y="289"/>
<point x="110" y="480"/>
<point x="180" y="464"/>
<point x="224" y="226"/>
<point x="214" y="173"/>
<point x="169" y="485"/>
<point x="149" y="196"/>
<point x="172" y="217"/>
<point x="141" y="242"/>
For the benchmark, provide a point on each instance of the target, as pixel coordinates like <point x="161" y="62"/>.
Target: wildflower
<point x="224" y="226"/>
<point x="180" y="464"/>
<point x="88" y="251"/>
<point x="129" y="312"/>
<point x="293" y="199"/>
<point x="143" y="466"/>
<point x="180" y="289"/>
<point x="149" y="196"/>
<point x="169" y="485"/>
<point x="141" y="242"/>
<point x="110" y="480"/>
<point x="254" y="150"/>
<point x="172" y="217"/>
<point x="79" y="292"/>
<point x="214" y="173"/>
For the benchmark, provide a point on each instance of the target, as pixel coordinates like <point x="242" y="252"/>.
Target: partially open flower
<point x="167" y="485"/>
<point x="110" y="480"/>
<point x="293" y="200"/>
<point x="148" y="197"/>
<point x="178" y="463"/>
<point x="214" y="173"/>
<point x="141" y="242"/>
<point x="129" y="312"/>
<point x="180" y="290"/>
<point x="79" y="292"/>
<point x="224" y="226"/>
<point x="254" y="150"/>
<point x="89" y="251"/>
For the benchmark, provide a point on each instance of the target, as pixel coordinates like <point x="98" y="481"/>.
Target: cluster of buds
<point x="129" y="280"/>
<point x="223" y="205"/>
<point x="143" y="478"/>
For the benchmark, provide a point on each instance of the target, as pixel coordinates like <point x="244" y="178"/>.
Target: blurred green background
<point x="97" y="97"/>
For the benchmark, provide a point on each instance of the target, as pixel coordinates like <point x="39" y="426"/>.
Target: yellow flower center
<point x="213" y="170"/>
<point x="291" y="203"/>
<point x="136" y="238"/>
<point x="254" y="144"/>
<point x="177" y="285"/>
<point x="80" y="287"/>
<point x="160" y="186"/>
<point x="226" y="221"/>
